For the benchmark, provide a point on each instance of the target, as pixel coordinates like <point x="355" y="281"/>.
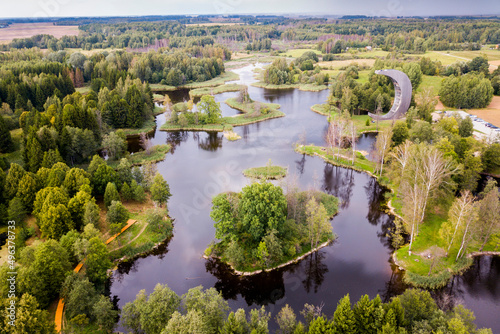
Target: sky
<point x="52" y="8"/>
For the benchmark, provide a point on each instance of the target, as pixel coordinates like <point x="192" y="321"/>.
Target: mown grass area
<point x="139" y="238"/>
<point x="16" y="155"/>
<point x="360" y="163"/>
<point x="359" y="120"/>
<point x="83" y="90"/>
<point x="433" y="82"/>
<point x="199" y="92"/>
<point x="300" y="86"/>
<point x="266" y="172"/>
<point x="148" y="126"/>
<point x="363" y="76"/>
<point x="157" y="154"/>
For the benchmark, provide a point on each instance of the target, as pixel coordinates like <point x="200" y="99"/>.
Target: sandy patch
<point x="25" y="30"/>
<point x="494" y="64"/>
<point x="491" y="113"/>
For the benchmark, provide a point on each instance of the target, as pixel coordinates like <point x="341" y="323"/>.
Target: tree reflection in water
<point x="262" y="289"/>
<point x="174" y="139"/>
<point x="339" y="182"/>
<point x="315" y="271"/>
<point x="211" y="142"/>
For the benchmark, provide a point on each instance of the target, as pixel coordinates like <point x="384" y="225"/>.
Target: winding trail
<point x="131" y="241"/>
<point x="60" y="305"/>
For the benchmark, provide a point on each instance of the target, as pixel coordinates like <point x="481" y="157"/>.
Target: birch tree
<point x="467" y="235"/>
<point x="435" y="169"/>
<point x="459" y="213"/>
<point x="489" y="213"/>
<point x="317" y="221"/>
<point x="382" y="146"/>
<point x="402" y="156"/>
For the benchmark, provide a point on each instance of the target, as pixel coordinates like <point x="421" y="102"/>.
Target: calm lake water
<point x="201" y="165"/>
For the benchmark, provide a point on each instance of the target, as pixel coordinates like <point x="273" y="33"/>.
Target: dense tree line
<point x="205" y="311"/>
<point x="263" y="44"/>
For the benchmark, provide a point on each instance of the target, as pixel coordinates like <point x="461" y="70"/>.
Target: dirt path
<point x="134" y="239"/>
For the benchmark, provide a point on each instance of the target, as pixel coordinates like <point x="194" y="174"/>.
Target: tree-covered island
<point x="262" y="227"/>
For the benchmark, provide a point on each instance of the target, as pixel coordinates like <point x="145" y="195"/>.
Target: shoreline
<point x="428" y="282"/>
<point x="256" y="272"/>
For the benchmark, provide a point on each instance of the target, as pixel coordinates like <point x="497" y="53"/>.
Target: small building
<point x="368" y="48"/>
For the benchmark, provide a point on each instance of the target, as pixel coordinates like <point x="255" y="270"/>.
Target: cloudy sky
<point x="32" y="8"/>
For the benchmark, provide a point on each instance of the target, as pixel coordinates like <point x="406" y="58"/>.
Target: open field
<point x="343" y="63"/>
<point x="25" y="30"/>
<point x="491" y="113"/>
<point x="296" y="53"/>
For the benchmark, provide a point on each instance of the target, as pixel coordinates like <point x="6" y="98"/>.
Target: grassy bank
<point x="147" y="127"/>
<point x="199" y="92"/>
<point x="266" y="172"/>
<point x="304" y="87"/>
<point x="139" y="238"/>
<point x="359" y="120"/>
<point x="157" y="154"/>
<point x="360" y="163"/>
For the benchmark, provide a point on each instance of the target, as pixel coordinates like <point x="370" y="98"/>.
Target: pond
<point x="201" y="165"/>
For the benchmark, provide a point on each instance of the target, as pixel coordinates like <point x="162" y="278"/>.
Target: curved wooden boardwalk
<point x="60" y="304"/>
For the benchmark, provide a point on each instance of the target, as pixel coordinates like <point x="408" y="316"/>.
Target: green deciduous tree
<point x="211" y="305"/>
<point x="158" y="309"/>
<point x="43" y="277"/>
<point x="286" y="320"/>
<point x="29" y="317"/>
<point x="208" y="105"/>
<point x="97" y="261"/>
<point x="55" y="222"/>
<point x="104" y="314"/>
<point x="262" y="207"/>
<point x="115" y="145"/>
<point x="160" y="190"/>
<point x="399" y="133"/>
<point x="91" y="214"/>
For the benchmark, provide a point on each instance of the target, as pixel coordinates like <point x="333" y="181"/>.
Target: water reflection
<point x="210" y="141"/>
<point x="357" y="263"/>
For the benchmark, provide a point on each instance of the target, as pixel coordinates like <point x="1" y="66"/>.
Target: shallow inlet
<point x="202" y="165"/>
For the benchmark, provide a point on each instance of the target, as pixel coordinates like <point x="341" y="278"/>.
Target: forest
<point x="70" y="108"/>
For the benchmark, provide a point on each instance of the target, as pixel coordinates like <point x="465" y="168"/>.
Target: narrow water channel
<point x="202" y="165"/>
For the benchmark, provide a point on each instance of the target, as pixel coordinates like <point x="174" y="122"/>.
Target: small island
<point x="262" y="228"/>
<point x="207" y="115"/>
<point x="268" y="172"/>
